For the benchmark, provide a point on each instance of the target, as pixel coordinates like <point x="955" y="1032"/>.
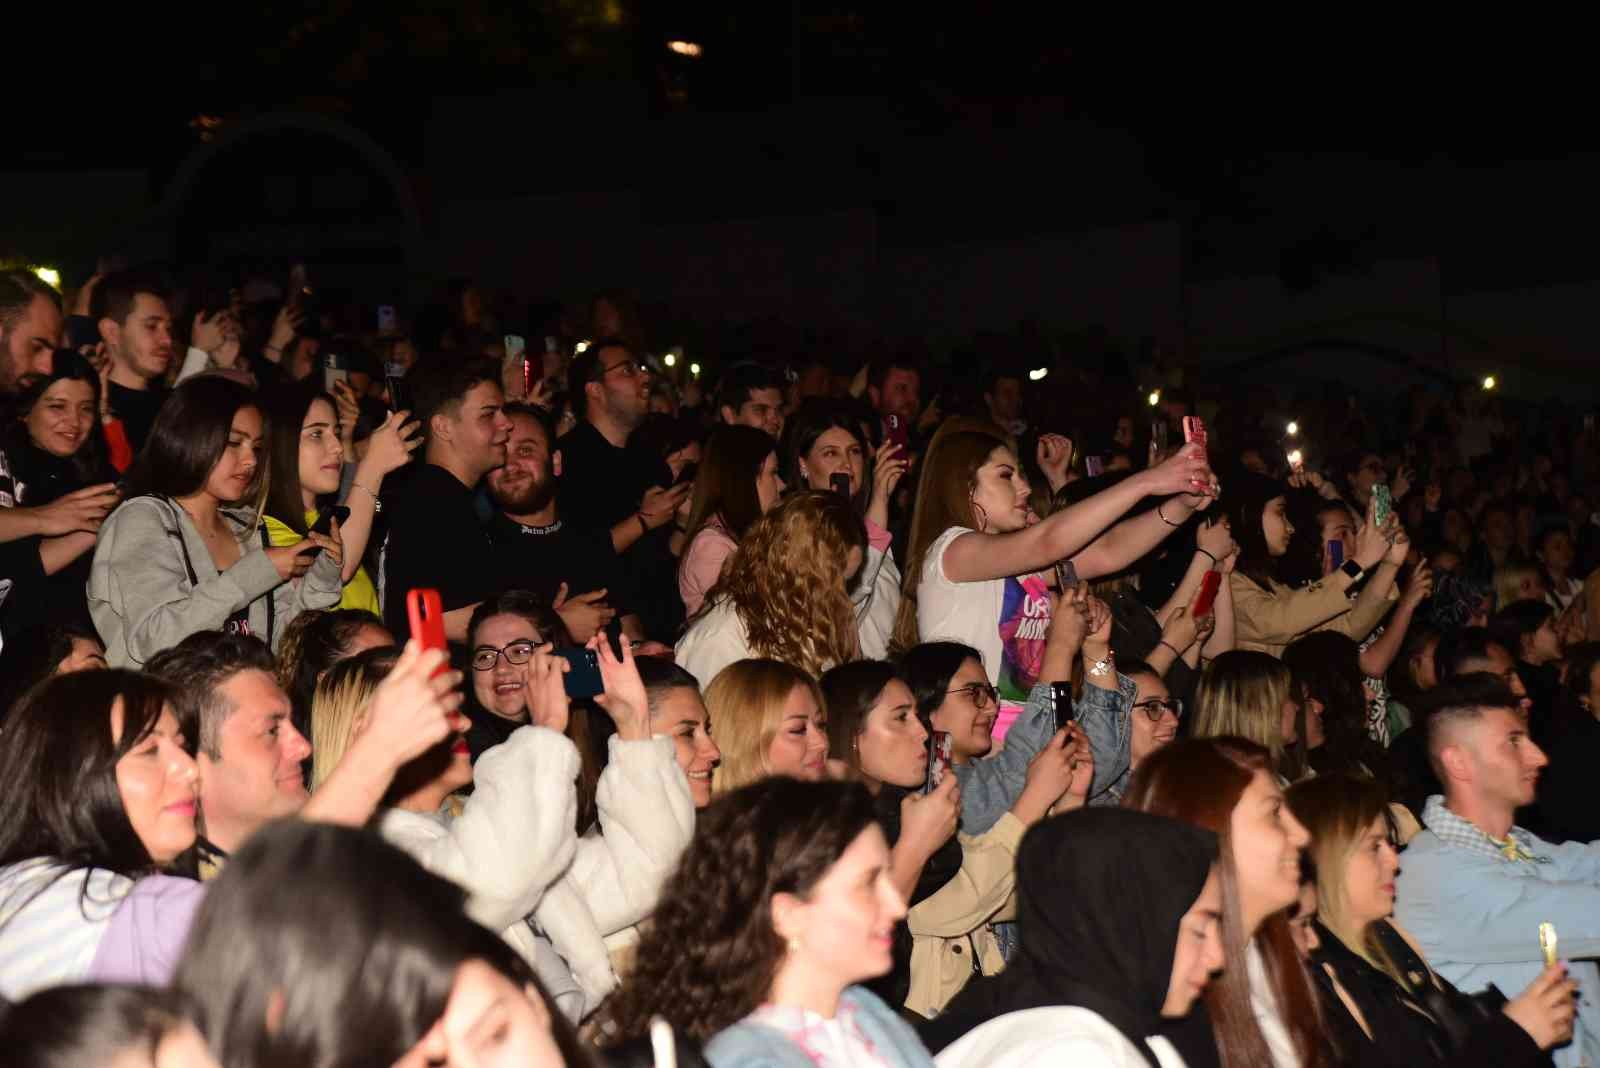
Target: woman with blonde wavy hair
<point x="1250" y="695"/>
<point x="784" y="593"/>
<point x="769" y="720"/>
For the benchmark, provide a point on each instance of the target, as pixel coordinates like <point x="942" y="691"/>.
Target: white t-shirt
<point x="1057" y="1034"/>
<point x="1005" y="619"/>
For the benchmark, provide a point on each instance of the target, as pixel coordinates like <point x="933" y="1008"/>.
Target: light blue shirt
<point x="1476" y="912"/>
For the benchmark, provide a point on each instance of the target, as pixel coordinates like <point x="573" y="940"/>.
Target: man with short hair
<point x="894" y="385"/>
<point x="1474" y="887"/>
<point x="435" y="537"/>
<point x="1002" y="393"/>
<point x="30" y="327"/>
<point x="752" y="395"/>
<point x="249" y="753"/>
<point x="612" y="485"/>
<point x="131" y="313"/>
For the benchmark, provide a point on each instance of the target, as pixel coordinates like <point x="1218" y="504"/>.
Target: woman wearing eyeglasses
<point x="1152" y="723"/>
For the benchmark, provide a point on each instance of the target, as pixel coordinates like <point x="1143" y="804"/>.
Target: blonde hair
<point x="944" y="500"/>
<point x="1508" y="582"/>
<point x="1242" y="693"/>
<point x="745" y="705"/>
<point x="787" y="580"/>
<point x="339" y="706"/>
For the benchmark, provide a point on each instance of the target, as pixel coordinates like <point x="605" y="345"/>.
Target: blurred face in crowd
<point x="1123" y="435"/>
<point x="836" y="451"/>
<point x="1544" y="645"/>
<point x="1266" y="843"/>
<point x="1369" y="873"/>
<point x="1424" y="668"/>
<point x="489" y="1022"/>
<point x="1290" y="716"/>
<point x="321" y="455"/>
<point x="63" y="417"/>
<point x="27" y="347"/>
<point x="156" y="780"/>
<point x="1499" y="529"/>
<point x="1276" y="527"/>
<point x="901" y="394"/>
<point x="1315" y="709"/>
<point x="478" y="431"/>
<point x="800" y="748"/>
<point x="1005" y="402"/>
<point x="681" y="715"/>
<point x="87" y="655"/>
<point x="968" y="712"/>
<point x="1251" y="460"/>
<point x="815" y="381"/>
<point x="1301" y="919"/>
<point x="622" y="389"/>
<point x="526" y="482"/>
<point x="1370" y="472"/>
<point x="1340" y="526"/>
<point x="892" y="746"/>
<point x="678" y="461"/>
<point x="1000" y="496"/>
<point x="769" y="487"/>
<point x="1493" y="759"/>
<point x="1198" y="953"/>
<point x="235" y="470"/>
<point x="256" y="775"/>
<point x="843" y="930"/>
<point x="1456" y="528"/>
<point x="141" y="345"/>
<point x="763" y="409"/>
<point x="1556" y="551"/>
<point x="1500" y="662"/>
<point x="500" y="689"/>
<point x="1155" y="719"/>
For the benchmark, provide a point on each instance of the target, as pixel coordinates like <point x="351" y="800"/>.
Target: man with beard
<point x="575" y="568"/>
<point x="131" y="312"/>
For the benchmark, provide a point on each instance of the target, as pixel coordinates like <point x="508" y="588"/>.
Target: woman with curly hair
<point x="785" y="592"/>
<point x="769" y="720"/>
<point x="782" y="904"/>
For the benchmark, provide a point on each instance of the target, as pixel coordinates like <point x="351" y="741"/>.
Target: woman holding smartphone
<point x="737" y="484"/>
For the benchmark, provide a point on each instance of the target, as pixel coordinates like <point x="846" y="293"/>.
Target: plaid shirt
<point x="1519" y="847"/>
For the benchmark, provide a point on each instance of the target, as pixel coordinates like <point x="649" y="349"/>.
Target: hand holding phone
<point x="1206" y="599"/>
<point x="324" y="525"/>
<point x="940" y="756"/>
<point x="840" y="481"/>
<point x="1382" y="504"/>
<point x="1547" y="943"/>
<point x="426" y="615"/>
<point x="1061" y="703"/>
<point x="583" y="675"/>
<point x="895" y="432"/>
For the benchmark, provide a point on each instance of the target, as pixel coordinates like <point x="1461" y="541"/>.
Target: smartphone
<point x="1547" y="942"/>
<point x="1382" y="503"/>
<point x="840" y="481"/>
<point x="1094" y="466"/>
<point x="394" y="377"/>
<point x="1206" y="599"/>
<point x="1194" y="430"/>
<point x="687" y="474"/>
<point x="583" y="678"/>
<point x="940" y="752"/>
<point x="1061" y="702"/>
<point x="388" y="321"/>
<point x="1297" y="461"/>
<point x="335" y="369"/>
<point x="1336" y="552"/>
<point x="1066" y="576"/>
<point x="426" y="615"/>
<point x="324" y="525"/>
<point x="895" y="432"/>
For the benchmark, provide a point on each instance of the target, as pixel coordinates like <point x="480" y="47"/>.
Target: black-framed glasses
<point x="485" y="657"/>
<point x="1156" y="707"/>
<point x="981" y="694"/>
<point x="629" y="368"/>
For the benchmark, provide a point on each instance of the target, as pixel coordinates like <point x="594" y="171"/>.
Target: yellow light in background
<point x="1293" y="428"/>
<point x="1488" y="382"/>
<point x="685" y="48"/>
<point x="1038" y="374"/>
<point x="694" y="369"/>
<point x="1155" y="397"/>
<point x="580" y="348"/>
<point x="670" y="360"/>
<point x="49" y="276"/>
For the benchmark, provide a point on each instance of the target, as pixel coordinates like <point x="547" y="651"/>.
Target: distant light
<point x="1488" y="381"/>
<point x="1155" y="397"/>
<point x="685" y="48"/>
<point x="1038" y="374"/>
<point x="670" y="360"/>
<point x="580" y="348"/>
<point x="49" y="276"/>
<point x="1294" y="458"/>
<point x="1293" y="428"/>
<point x="694" y="369"/>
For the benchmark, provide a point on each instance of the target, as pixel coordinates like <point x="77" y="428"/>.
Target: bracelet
<point x="1169" y="645"/>
<point x="1163" y="518"/>
<point x="644" y="528"/>
<point x="1104" y="666"/>
<point x="1214" y="560"/>
<point x="356" y="485"/>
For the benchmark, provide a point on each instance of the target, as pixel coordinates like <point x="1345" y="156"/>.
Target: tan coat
<point x="1268" y="620"/>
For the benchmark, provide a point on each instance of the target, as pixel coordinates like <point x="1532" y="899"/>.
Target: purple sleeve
<point x="147" y="932"/>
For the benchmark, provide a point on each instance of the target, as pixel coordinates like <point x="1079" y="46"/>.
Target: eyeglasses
<point x="1156" y="707"/>
<point x="485" y="657"/>
<point x="981" y="694"/>
<point x="629" y="368"/>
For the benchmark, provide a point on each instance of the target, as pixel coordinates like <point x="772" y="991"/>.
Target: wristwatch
<point x="1353" y="569"/>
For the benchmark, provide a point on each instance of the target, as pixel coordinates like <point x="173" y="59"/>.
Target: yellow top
<point x="359" y="592"/>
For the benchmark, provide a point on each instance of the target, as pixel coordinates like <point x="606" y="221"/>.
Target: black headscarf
<point x="939" y="870"/>
<point x="1100" y="892"/>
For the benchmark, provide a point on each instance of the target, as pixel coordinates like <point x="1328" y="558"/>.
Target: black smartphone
<point x="687" y="474"/>
<point x="583" y="679"/>
<point x="324" y="524"/>
<point x="1061" y="700"/>
<point x="840" y="483"/>
<point x="394" y="377"/>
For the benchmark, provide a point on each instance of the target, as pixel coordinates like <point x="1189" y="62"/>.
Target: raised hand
<point x="1054" y="454"/>
<point x="660" y="503"/>
<point x="928" y="820"/>
<point x="624" y="699"/>
<point x="887" y="471"/>
<point x="585" y="614"/>
<point x="412" y="709"/>
<point x="392" y="443"/>
<point x="83" y="509"/>
<point x="544" y="685"/>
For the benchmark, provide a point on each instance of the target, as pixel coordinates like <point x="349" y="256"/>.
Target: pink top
<point x="702" y="564"/>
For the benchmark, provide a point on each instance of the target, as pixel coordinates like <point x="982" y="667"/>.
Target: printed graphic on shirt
<point x="1024" y="621"/>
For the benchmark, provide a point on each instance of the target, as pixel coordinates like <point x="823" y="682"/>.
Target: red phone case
<point x="1194" y="429"/>
<point x="427" y="621"/>
<point x="894" y="431"/>
<point x="1209" y="585"/>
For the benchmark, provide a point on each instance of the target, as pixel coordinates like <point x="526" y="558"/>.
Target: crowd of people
<point x="818" y="716"/>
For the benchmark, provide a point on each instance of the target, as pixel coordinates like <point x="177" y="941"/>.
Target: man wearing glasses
<point x="606" y="484"/>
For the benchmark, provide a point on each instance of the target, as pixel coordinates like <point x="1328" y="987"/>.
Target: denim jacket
<point x="1476" y="913"/>
<point x="752" y="1045"/>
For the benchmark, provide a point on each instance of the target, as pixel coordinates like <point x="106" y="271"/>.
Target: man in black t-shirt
<point x="574" y="567"/>
<point x="435" y="538"/>
<point x="608" y="485"/>
<point x="131" y="312"/>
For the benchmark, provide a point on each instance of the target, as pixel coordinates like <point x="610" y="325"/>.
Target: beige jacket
<point x="953" y="926"/>
<point x="1268" y="620"/>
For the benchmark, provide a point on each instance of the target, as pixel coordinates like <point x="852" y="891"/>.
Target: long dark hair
<point x="710" y="953"/>
<point x="1572" y="701"/>
<point x="849" y="691"/>
<point x="285" y="411"/>
<point x="725" y="486"/>
<point x="1248" y="497"/>
<point x="72" y="1026"/>
<point x="33" y="656"/>
<point x="312" y="643"/>
<point x="311" y="914"/>
<point x="59" y="764"/>
<point x="89" y="463"/>
<point x="814" y="418"/>
<point x="188" y="438"/>
<point x="928" y="669"/>
<point x="1325" y="665"/>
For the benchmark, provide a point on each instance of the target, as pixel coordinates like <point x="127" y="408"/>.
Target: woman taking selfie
<point x="306" y="466"/>
<point x="784" y="593"/>
<point x="826" y="451"/>
<point x="1383" y="1004"/>
<point x="185" y="551"/>
<point x="101" y="802"/>
<point x="783" y="905"/>
<point x="770" y="720"/>
<point x="1264" y="1012"/>
<point x="737" y="484"/>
